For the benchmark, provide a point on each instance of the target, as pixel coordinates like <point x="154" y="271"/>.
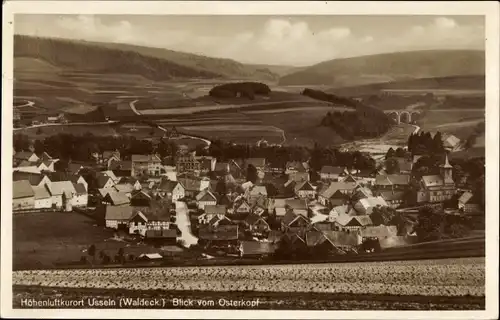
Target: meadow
<point x="46" y="239"/>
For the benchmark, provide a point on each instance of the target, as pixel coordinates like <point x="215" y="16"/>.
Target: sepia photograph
<point x="251" y="162"/>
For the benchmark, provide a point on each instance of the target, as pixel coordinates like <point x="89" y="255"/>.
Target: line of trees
<point x="423" y="143"/>
<point x="243" y="89"/>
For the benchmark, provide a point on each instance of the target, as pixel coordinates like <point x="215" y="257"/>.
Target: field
<point x="261" y="300"/>
<point x="423" y="278"/>
<point x="42" y="240"/>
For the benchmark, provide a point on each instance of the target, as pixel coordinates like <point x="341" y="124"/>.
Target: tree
<point x="221" y="187"/>
<point x="390" y="153"/>
<point x="437" y="143"/>
<point x="251" y="173"/>
<point x="392" y="166"/>
<point x="383" y="215"/>
<point x="38" y="146"/>
<point x="21" y="142"/>
<point x="91" y="251"/>
<point x="429" y="224"/>
<point x="39" y="131"/>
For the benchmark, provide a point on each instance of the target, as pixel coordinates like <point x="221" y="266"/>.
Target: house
<point x="405" y="164"/>
<point x="140" y="199"/>
<point x="120" y="168"/>
<point x="394" y="199"/>
<point x="255" y="192"/>
<point x="116" y="198"/>
<point x="451" y="143"/>
<point x="297" y="206"/>
<point x="110" y="174"/>
<point x="35" y="179"/>
<point x="331" y="173"/>
<point x="150" y="256"/>
<point x="62" y="193"/>
<point x="212" y="211"/>
<point x="332" y="195"/>
<point x="241" y="206"/>
<point x="256" y="249"/>
<point x="188" y="163"/>
<point x="292" y="167"/>
<point x="437" y="188"/>
<point x="352" y="223"/>
<point x="118" y="217"/>
<point x="126" y="188"/>
<point x="470" y="203"/>
<point x="110" y="156"/>
<point x="172" y="189"/>
<point x="23" y="197"/>
<point x="145" y="164"/>
<point x="365" y="206"/>
<point x="392" y="182"/>
<point x="293" y="222"/>
<point x="80" y="198"/>
<point x="207" y="163"/>
<point x="305" y="190"/>
<point x="43" y="199"/>
<point x="361" y="193"/>
<point x="342" y="240"/>
<point x="376" y="233"/>
<point x="259" y="205"/>
<point x="257" y="224"/>
<point x="204" y="198"/>
<point x="105" y="182"/>
<point x="26" y="166"/>
<point x="192" y="186"/>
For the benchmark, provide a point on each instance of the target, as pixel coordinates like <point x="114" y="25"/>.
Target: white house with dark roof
<point x="365" y="206"/>
<point x="205" y="198"/>
<point x="23" y="196"/>
<point x="80" y="198"/>
<point x="353" y="223"/>
<point x="62" y="194"/>
<point x="326" y="197"/>
<point x="43" y="199"/>
<point x="305" y="190"/>
<point x="212" y="211"/>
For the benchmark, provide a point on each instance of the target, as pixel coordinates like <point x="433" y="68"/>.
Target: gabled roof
<point x="41" y="192"/>
<point x="190" y="184"/>
<point x="339" y="185"/>
<point x="378" y="231"/>
<point x="124" y="187"/>
<point x="23" y="155"/>
<point x="123" y="212"/>
<point x="392" y="179"/>
<point x="323" y="226"/>
<point x="469" y="198"/>
<point x="261" y="202"/>
<point x="206" y="195"/>
<point x="145" y="158"/>
<point x="59" y="176"/>
<point x="215" y="209"/>
<point x="120" y="165"/>
<point x="252" y="219"/>
<point x="60" y="187"/>
<point x="432" y="181"/>
<point x="341" y="210"/>
<point x="296" y="204"/>
<point x="110" y="174"/>
<point x="392" y="195"/>
<point x="167" y="185"/>
<point x="79" y="188"/>
<point x="346" y="220"/>
<point x="257" y="248"/>
<point x="304" y="186"/>
<point x="117" y="198"/>
<point x="289" y="217"/>
<point x="257" y="190"/>
<point x="22" y="189"/>
<point x="331" y="170"/>
<point x="102" y="180"/>
<point x="140" y="194"/>
<point x="33" y="178"/>
<point x="104" y="191"/>
<point x="296" y="165"/>
<point x="372" y="202"/>
<point x="341" y="238"/>
<point x="300" y="176"/>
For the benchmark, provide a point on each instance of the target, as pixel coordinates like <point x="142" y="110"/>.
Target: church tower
<point x="447" y="172"/>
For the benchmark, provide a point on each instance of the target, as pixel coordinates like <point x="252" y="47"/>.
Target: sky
<point x="275" y="40"/>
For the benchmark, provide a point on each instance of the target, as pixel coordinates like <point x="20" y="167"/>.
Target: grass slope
<point x="389" y="67"/>
<point x="152" y="63"/>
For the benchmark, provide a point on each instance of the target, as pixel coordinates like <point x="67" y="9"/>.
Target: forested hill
<point x="362" y="122"/>
<point x="390" y="67"/>
<point x="152" y="63"/>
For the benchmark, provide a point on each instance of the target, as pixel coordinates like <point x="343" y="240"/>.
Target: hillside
<point x="389" y="67"/>
<point x="468" y="82"/>
<point x="151" y="63"/>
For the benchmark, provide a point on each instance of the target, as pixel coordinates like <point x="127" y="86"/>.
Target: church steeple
<point x="447" y="171"/>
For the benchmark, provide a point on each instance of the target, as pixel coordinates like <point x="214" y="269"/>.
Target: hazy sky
<point x="285" y="40"/>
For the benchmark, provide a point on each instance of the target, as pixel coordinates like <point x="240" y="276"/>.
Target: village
<point x="244" y="207"/>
